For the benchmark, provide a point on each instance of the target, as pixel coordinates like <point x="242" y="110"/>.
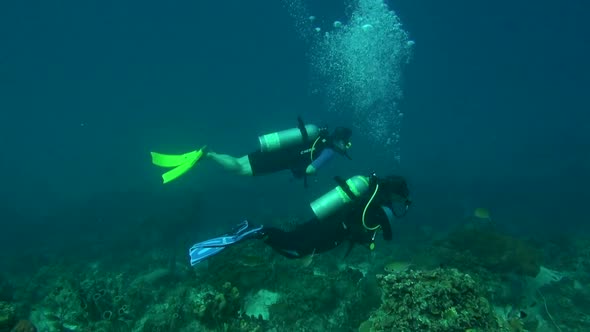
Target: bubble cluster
<point x="359" y="68"/>
<point x="358" y="65"/>
<point x="302" y="20"/>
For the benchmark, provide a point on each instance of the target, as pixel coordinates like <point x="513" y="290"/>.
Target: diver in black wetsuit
<point x="352" y="212"/>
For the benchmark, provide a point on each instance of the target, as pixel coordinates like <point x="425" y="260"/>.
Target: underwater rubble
<point x="7" y="316"/>
<point x="463" y="286"/>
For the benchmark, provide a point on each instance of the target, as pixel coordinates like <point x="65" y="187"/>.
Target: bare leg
<point x="237" y="165"/>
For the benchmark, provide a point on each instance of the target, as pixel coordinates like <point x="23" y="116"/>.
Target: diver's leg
<point x="291" y="244"/>
<point x="306" y="239"/>
<point x="281" y="242"/>
<point x="238" y="165"/>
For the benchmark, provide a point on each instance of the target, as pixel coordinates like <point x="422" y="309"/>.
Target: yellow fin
<point x="173" y="160"/>
<point x="181" y="163"/>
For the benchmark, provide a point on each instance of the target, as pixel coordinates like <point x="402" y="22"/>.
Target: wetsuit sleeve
<point x="387" y="232"/>
<point x="380" y="218"/>
<point x="326" y="155"/>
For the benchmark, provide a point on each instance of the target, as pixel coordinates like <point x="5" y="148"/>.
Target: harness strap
<point x="302" y="129"/>
<point x="305" y="136"/>
<point x="344" y="186"/>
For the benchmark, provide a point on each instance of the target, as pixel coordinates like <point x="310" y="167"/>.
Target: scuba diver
<point x="302" y="150"/>
<point x="354" y="211"/>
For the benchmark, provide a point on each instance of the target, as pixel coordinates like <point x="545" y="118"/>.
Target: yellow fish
<point x="306" y="261"/>
<point x="482" y="213"/>
<point x="395" y="267"/>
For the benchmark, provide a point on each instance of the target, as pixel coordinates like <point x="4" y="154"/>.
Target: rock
<point x="7" y="316"/>
<point x="24" y="326"/>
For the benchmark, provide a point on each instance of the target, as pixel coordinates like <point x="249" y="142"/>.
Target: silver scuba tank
<point x="287" y="138"/>
<point x="336" y="198"/>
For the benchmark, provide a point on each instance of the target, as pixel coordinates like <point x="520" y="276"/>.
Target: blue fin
<point x="202" y="250"/>
<point x="198" y="254"/>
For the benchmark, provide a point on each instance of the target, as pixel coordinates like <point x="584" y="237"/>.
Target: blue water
<point x="495" y="102"/>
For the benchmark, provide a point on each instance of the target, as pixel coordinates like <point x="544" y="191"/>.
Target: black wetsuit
<point x="315" y="236"/>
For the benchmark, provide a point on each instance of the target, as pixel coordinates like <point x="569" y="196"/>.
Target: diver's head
<point x="341" y="139"/>
<point x="395" y="193"/>
<point x="396" y="187"/>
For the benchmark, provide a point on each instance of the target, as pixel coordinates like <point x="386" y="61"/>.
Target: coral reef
<point x="469" y="248"/>
<point x="7" y="316"/>
<point x="346" y="297"/>
<point x="562" y="305"/>
<point x="214" y="306"/>
<point x="257" y="305"/>
<point x="248" y="287"/>
<point x="436" y="300"/>
<point x="72" y="304"/>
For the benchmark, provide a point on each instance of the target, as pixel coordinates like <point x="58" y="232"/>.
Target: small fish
<point x="307" y="260"/>
<point x="395" y="267"/>
<point x="482" y="213"/>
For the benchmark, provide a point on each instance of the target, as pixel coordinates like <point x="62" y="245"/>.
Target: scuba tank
<point x="288" y="138"/>
<point x="344" y="193"/>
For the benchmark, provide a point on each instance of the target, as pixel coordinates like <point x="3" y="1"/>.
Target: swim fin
<point x="181" y="163"/>
<point x="199" y="254"/>
<point x="203" y="250"/>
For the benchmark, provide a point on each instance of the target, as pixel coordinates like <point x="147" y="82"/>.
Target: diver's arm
<point x="385" y="225"/>
<point x="376" y="216"/>
<point x="387" y="231"/>
<point x="321" y="160"/>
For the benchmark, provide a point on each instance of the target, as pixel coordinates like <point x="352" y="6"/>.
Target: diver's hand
<point x="310" y="170"/>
